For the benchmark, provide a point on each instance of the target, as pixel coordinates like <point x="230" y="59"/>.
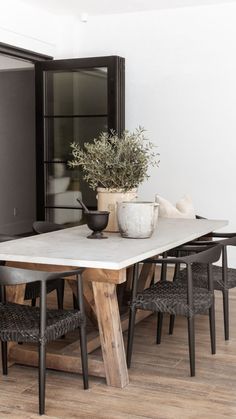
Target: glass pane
<point x="73" y="92"/>
<point x="69" y="217"/>
<point x="60" y="132"/>
<point x="64" y="185"/>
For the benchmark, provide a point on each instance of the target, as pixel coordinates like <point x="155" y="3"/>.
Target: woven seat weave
<point x="200" y="277"/>
<point x="171" y="297"/>
<point x="20" y="323"/>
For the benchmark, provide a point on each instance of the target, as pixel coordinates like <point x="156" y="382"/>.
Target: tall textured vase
<point x="107" y="201"/>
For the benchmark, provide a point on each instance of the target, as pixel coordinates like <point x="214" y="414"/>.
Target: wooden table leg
<point x="15" y="293"/>
<point x="110" y="334"/>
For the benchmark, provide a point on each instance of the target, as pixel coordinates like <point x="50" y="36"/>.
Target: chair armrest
<point x="15" y="276"/>
<point x="202" y="254"/>
<point x="202" y="243"/>
<point x="222" y="235"/>
<point x="55" y="275"/>
<point x="231" y="241"/>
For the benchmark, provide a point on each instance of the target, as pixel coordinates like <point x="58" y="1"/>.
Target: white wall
<point x="181" y="86"/>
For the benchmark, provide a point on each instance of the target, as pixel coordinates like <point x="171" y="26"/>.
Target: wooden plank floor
<point x="160" y="386"/>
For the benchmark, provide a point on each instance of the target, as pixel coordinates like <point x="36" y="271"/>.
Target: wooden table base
<point x="103" y="311"/>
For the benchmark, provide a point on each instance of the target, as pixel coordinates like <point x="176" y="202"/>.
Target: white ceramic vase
<point x="137" y="220"/>
<point x="107" y="201"/>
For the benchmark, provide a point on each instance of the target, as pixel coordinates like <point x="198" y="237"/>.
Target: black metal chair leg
<point x="120" y="290"/>
<point x="132" y="315"/>
<point x="42" y="377"/>
<point x="226" y="313"/>
<point x="60" y="294"/>
<point x="4" y="358"/>
<point x="171" y="324"/>
<point x="60" y="297"/>
<point x="159" y="327"/>
<point x="83" y="337"/>
<point x="84" y="356"/>
<point x="75" y="303"/>
<point x="191" y="344"/>
<point x="33" y="302"/>
<point x="212" y="329"/>
<point x="42" y="347"/>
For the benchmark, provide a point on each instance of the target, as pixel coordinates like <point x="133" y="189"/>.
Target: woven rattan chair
<point x="177" y="298"/>
<point x="177" y="253"/>
<point x="32" y="290"/>
<point x="21" y="323"/>
<point x="224" y="278"/>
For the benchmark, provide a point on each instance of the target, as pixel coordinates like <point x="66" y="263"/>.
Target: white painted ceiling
<point x="99" y="7"/>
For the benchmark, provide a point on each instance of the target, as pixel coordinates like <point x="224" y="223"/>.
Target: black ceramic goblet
<point x="97" y="221"/>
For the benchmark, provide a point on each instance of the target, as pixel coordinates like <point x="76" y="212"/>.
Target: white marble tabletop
<point x="70" y="247"/>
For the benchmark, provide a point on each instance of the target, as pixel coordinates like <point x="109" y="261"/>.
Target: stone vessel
<point x="137" y="219"/>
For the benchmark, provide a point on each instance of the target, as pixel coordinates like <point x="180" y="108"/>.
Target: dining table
<point x="106" y="263"/>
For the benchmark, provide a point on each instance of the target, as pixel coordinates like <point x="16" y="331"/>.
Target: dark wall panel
<point x="17" y="151"/>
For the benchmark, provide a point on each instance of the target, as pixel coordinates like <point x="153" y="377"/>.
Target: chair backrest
<point x="207" y="255"/>
<point x="228" y="242"/>
<point x="41" y="227"/>
<point x="15" y="276"/>
<point x="204" y="254"/>
<point x="226" y="239"/>
<point x="5" y="238"/>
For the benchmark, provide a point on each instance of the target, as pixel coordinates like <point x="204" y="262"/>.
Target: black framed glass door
<point x="76" y="100"/>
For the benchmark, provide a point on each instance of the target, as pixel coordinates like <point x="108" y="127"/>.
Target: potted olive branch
<point x="115" y="167"/>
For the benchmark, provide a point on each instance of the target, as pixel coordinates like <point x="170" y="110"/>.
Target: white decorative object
<point x="63" y="216"/>
<point x="58" y="184"/>
<point x="183" y="209"/>
<point x="107" y="201"/>
<point x="137" y="220"/>
<point x="59" y="168"/>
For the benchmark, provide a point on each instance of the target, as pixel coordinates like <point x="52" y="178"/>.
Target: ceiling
<point x="100" y="7"/>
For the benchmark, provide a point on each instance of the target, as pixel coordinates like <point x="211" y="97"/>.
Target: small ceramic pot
<point x="137" y="220"/>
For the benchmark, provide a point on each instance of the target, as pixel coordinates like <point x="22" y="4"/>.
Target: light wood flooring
<point x="160" y="386"/>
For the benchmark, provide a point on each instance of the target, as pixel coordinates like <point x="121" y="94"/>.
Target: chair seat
<point x="20" y="323"/>
<point x="32" y="289"/>
<point x="200" y="277"/>
<point x="171" y="297"/>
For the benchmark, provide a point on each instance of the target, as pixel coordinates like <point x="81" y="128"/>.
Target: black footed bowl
<point x="97" y="221"/>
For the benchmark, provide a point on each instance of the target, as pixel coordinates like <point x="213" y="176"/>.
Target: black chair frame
<point x="229" y="239"/>
<point x="203" y="255"/>
<point x="15" y="276"/>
